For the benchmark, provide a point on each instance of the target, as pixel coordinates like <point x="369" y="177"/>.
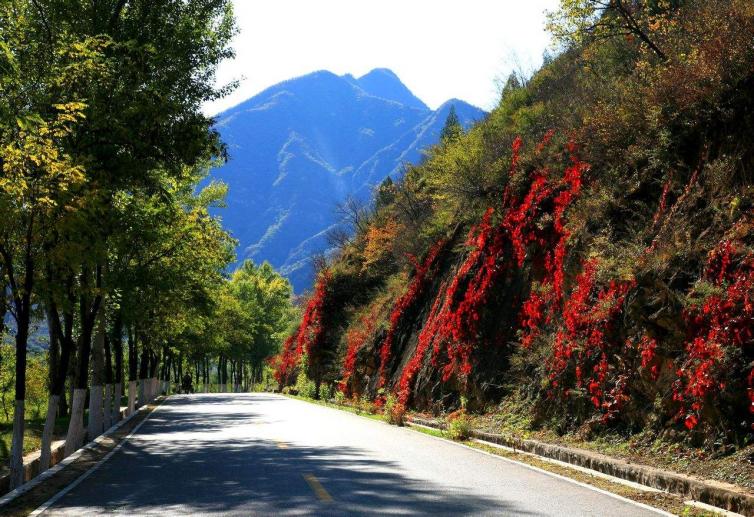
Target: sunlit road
<point x="245" y="454"/>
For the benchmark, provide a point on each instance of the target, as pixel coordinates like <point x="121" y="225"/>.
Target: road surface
<point x="259" y="454"/>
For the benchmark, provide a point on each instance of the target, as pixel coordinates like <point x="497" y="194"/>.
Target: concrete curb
<point x="57" y="461"/>
<point x="709" y="492"/>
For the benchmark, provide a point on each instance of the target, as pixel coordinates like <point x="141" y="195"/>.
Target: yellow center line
<point x="317" y="488"/>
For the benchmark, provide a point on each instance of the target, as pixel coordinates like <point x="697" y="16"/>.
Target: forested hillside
<point x="585" y="253"/>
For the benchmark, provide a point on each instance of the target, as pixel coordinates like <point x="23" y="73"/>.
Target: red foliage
<point x="355" y="338"/>
<point x="309" y="333"/>
<point x="648" y="349"/>
<point x="286" y="361"/>
<point x="722" y="321"/>
<point x="424" y="342"/>
<point x="581" y="348"/>
<point x="422" y="277"/>
<point x="532" y="316"/>
<point x="454" y="323"/>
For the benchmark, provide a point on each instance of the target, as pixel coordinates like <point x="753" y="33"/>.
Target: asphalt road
<point x="258" y="454"/>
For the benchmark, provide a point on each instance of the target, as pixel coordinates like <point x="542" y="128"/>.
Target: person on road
<point x="186" y="384"/>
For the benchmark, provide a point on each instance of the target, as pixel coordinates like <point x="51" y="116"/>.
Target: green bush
<point x="459" y="425"/>
<point x="340" y="398"/>
<point x="304" y="386"/>
<point x="394" y="411"/>
<point x="367" y="406"/>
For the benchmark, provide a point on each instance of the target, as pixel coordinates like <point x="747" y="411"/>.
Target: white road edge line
<point x="553" y="474"/>
<point x="579" y="468"/>
<point x="54" y="499"/>
<point x="532" y="467"/>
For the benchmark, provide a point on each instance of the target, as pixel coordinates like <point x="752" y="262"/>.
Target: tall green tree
<point x="452" y="129"/>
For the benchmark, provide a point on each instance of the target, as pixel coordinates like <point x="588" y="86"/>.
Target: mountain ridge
<point x="300" y="147"/>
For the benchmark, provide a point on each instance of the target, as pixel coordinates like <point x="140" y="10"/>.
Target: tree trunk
<point x="17" y="446"/>
<point x="17" y="442"/>
<point x="46" y="453"/>
<point x="107" y="410"/>
<point x="118" y="353"/>
<point x="131" y="397"/>
<point x="107" y="413"/>
<point x="89" y="313"/>
<point x="143" y="367"/>
<point x="117" y="395"/>
<point x="132" y="357"/>
<point x="75" y="437"/>
<point x="96" y="413"/>
<point x="61" y="338"/>
<point x="52" y="400"/>
<point x="94" y="425"/>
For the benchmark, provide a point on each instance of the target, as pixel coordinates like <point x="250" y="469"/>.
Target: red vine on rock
<point x="725" y="320"/>
<point x="356" y="337"/>
<point x="582" y="346"/>
<point x="423" y="274"/>
<point x="453" y="327"/>
<point x="309" y="334"/>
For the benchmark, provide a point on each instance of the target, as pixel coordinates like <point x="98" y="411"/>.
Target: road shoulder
<point x="642" y="496"/>
<point x="88" y="458"/>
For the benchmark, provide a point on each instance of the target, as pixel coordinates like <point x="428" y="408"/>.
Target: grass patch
<point x="32" y="437"/>
<point x="356" y="410"/>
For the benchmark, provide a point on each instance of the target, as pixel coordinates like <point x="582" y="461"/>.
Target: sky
<point x="441" y="49"/>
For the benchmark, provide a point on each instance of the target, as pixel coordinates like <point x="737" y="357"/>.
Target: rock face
<point x="300" y="147"/>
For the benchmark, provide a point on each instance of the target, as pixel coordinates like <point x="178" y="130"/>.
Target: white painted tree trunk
<point x="75" y="437"/>
<point x="95" y="413"/>
<point x="107" y="415"/>
<point x="17" y="447"/>
<point x="131" y="397"/>
<point x="96" y="408"/>
<point x="52" y="411"/>
<point x="117" y="394"/>
<point x="142" y="392"/>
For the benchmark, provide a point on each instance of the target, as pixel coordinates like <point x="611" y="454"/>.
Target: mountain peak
<point x="382" y="82"/>
<point x="458" y="103"/>
<point x="376" y="72"/>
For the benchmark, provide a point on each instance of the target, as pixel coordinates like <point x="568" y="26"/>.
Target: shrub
<point x="367" y="406"/>
<point x="340" y="398"/>
<point x="459" y="425"/>
<point x="393" y="411"/>
<point x="305" y="386"/>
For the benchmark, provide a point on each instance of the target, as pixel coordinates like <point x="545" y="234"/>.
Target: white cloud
<point x="439" y="48"/>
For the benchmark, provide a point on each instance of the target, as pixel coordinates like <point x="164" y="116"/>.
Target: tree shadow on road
<point x="255" y="476"/>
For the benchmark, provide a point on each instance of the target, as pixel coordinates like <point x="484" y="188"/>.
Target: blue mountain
<point x="302" y="146"/>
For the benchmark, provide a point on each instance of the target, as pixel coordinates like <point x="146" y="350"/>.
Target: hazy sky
<point x="439" y="48"/>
